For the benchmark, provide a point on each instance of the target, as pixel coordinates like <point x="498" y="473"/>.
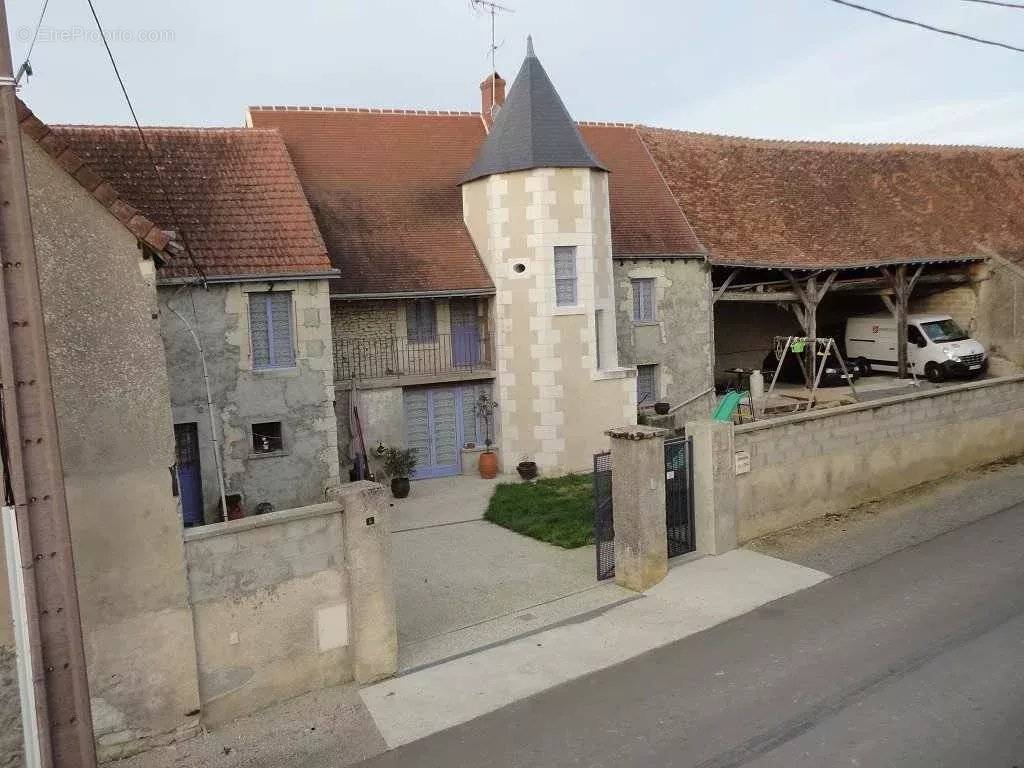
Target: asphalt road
<point x="914" y="660"/>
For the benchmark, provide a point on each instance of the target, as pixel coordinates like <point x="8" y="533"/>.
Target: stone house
<point x="98" y="259"/>
<point x="250" y="278"/>
<point x="459" y="236"/>
<point x="503" y="258"/>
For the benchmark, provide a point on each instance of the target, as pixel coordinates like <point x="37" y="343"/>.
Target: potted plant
<point x="484" y="409"/>
<point x="527" y="469"/>
<point x="399" y="464"/>
<point x="662" y="409"/>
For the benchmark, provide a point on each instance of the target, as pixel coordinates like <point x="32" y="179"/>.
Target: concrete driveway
<point x="463" y="583"/>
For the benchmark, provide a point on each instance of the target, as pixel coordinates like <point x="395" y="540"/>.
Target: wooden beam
<point x="724" y="286"/>
<point x="874" y="286"/>
<point x="770" y="297"/>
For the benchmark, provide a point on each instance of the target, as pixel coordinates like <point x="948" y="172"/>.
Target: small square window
<point x="267" y="437"/>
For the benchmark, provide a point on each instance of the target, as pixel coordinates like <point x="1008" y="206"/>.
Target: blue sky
<point x="771" y="68"/>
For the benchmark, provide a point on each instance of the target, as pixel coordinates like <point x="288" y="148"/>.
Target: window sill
<point x="613" y="373"/>
<point x="282" y="372"/>
<point x="269" y="454"/>
<point x="644" y="323"/>
<point x="575" y="309"/>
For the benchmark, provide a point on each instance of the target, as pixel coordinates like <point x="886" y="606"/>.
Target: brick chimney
<point x="486" y="101"/>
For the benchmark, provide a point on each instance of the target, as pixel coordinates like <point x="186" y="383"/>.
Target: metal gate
<point x="604" y="530"/>
<point x="679" y="495"/>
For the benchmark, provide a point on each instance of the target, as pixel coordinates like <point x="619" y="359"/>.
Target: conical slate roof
<point x="533" y="129"/>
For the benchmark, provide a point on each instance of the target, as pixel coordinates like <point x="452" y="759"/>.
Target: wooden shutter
<point x="259" y="330"/>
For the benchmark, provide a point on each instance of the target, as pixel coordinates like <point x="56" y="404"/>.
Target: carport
<point x="753" y="302"/>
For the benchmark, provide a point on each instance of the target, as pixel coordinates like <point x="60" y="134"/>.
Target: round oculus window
<point x="519" y="268"/>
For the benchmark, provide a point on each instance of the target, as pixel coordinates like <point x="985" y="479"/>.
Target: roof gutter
<point x="414" y="294"/>
<point x="252" y="278"/>
<point x="638" y="256"/>
<point x="828" y="267"/>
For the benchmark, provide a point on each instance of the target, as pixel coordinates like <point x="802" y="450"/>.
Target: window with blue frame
<point x="271" y="330"/>
<point x="421" y="321"/>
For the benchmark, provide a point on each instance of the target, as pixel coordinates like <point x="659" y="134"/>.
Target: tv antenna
<point x="492" y="8"/>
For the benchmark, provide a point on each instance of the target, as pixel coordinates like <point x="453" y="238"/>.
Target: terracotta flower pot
<point x="488" y="465"/>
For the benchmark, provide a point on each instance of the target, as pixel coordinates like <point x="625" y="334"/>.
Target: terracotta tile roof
<point x="98" y="186"/>
<point x="815" y="204"/>
<point x="383" y="185"/>
<point x="233" y="191"/>
<point x="646" y="219"/>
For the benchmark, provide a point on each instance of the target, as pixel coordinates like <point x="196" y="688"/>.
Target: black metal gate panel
<point x="679" y="496"/>
<point x="604" y="529"/>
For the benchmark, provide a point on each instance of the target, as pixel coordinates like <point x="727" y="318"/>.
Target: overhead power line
<point x="929" y="27"/>
<point x="1019" y="6"/>
<point x="149" y="152"/>
<point x="26" y="66"/>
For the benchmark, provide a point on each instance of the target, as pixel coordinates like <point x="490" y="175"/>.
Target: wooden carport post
<point x="902" y="288"/>
<point x="810" y="296"/>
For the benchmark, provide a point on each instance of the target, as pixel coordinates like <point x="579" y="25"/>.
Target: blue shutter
<point x="282" y="351"/>
<point x="270" y="330"/>
<point x="259" y="330"/>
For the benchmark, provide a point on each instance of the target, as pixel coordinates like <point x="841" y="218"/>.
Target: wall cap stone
<point x="876" y="404"/>
<point x="637" y="432"/>
<point x="261" y="521"/>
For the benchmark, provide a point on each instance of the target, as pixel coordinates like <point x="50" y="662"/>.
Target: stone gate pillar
<point x="638" y="506"/>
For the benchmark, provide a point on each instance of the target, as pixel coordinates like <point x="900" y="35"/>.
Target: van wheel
<point x="863" y="366"/>
<point x="934" y="373"/>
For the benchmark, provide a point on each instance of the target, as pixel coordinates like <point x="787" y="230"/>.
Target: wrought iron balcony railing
<point x="378" y="357"/>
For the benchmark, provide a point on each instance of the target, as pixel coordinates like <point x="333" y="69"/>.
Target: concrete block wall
<point x="808" y="465"/>
<point x="270" y="599"/>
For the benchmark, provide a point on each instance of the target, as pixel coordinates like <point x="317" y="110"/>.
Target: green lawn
<point x="558" y="510"/>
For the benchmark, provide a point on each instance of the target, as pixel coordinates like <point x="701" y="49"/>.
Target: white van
<point x="936" y="346"/>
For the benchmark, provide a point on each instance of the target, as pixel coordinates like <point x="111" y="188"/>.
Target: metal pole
<point x="209" y="409"/>
<point x="36" y="472"/>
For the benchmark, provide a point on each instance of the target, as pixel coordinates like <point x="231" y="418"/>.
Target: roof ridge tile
<point x="145" y="230"/>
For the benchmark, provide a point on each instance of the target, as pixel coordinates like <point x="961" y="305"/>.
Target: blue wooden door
<point x="433" y="426"/>
<point x="190" y="476"/>
<point x="465" y="333"/>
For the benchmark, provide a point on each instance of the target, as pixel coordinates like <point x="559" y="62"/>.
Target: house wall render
<point x="292" y="601"/>
<point x="111" y="394"/>
<point x="555" y="401"/>
<point x="270" y="599"/>
<point x="1000" y="324"/>
<point x="808" y="465"/>
<point x="301" y="398"/>
<point x="679" y="340"/>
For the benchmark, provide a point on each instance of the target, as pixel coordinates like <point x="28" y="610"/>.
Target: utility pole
<point x="34" y="468"/>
